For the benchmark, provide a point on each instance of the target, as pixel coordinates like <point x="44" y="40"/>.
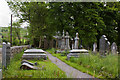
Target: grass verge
<point x="50" y="70"/>
<point x="99" y="67"/>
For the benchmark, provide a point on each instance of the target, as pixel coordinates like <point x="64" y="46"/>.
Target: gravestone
<point x="34" y="54"/>
<point x="95" y="47"/>
<point x="4" y="55"/>
<point x="67" y="47"/>
<point x="76" y="41"/>
<point x="63" y="41"/>
<point x="113" y="48"/>
<point x="102" y="45"/>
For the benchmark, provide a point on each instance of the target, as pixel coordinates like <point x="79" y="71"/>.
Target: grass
<point x="99" y="67"/>
<point x="0" y="46"/>
<point x="49" y="70"/>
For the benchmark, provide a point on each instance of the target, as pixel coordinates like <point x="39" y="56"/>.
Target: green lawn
<point x="49" y="70"/>
<point x="95" y="65"/>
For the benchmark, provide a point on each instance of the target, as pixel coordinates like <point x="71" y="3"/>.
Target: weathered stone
<point x="95" y="47"/>
<point x="34" y="54"/>
<point x="102" y="45"/>
<point x="8" y="55"/>
<point x="25" y="61"/>
<point x="67" y="47"/>
<point x="113" y="48"/>
<point x="4" y="55"/>
<point x="26" y="66"/>
<point x="77" y="52"/>
<point x="76" y="41"/>
<point x="63" y="42"/>
<point x="0" y="74"/>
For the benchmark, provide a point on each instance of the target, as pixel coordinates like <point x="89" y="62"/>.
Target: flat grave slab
<point x="77" y="52"/>
<point x="34" y="54"/>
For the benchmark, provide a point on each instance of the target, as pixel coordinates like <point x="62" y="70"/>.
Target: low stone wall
<point x="18" y="49"/>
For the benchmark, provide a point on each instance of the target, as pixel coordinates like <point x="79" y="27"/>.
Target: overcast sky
<point x="5" y="14"/>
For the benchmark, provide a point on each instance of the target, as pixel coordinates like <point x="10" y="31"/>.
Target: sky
<point x="5" y="14"/>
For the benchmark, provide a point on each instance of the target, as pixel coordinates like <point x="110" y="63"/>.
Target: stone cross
<point x="4" y="55"/>
<point x="94" y="47"/>
<point x="102" y="44"/>
<point x="113" y="48"/>
<point x="63" y="41"/>
<point x="67" y="41"/>
<point x="76" y="41"/>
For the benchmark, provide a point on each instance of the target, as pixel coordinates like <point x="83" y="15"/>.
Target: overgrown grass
<point x="100" y="67"/>
<point x="49" y="70"/>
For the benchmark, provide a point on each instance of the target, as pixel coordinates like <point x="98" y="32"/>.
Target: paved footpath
<point x="70" y="71"/>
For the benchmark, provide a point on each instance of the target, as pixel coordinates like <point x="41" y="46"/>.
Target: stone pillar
<point x="67" y="41"/>
<point x="63" y="41"/>
<point x="113" y="48"/>
<point x="4" y="55"/>
<point x="0" y="74"/>
<point x="8" y="55"/>
<point x="76" y="41"/>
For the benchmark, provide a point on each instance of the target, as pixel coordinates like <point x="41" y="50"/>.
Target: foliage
<point x="50" y="70"/>
<point x="90" y="20"/>
<point x="100" y="67"/>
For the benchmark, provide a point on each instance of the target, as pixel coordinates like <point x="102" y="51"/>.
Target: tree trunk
<point x="40" y="43"/>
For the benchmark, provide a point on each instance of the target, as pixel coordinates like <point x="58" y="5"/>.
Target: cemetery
<point x="61" y="40"/>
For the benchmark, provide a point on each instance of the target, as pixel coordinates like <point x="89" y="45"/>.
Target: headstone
<point x="0" y="74"/>
<point x="67" y="41"/>
<point x="76" y="41"/>
<point x="63" y="41"/>
<point x="102" y="44"/>
<point x="113" y="48"/>
<point x="4" y="55"/>
<point x="95" y="47"/>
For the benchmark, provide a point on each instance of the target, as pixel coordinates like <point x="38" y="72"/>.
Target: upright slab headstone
<point x="8" y="53"/>
<point x="67" y="41"/>
<point x="113" y="48"/>
<point x="76" y="41"/>
<point x="63" y="41"/>
<point x="95" y="47"/>
<point x="4" y="55"/>
<point x="102" y="44"/>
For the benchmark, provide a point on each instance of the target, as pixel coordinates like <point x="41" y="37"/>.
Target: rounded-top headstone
<point x="4" y="43"/>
